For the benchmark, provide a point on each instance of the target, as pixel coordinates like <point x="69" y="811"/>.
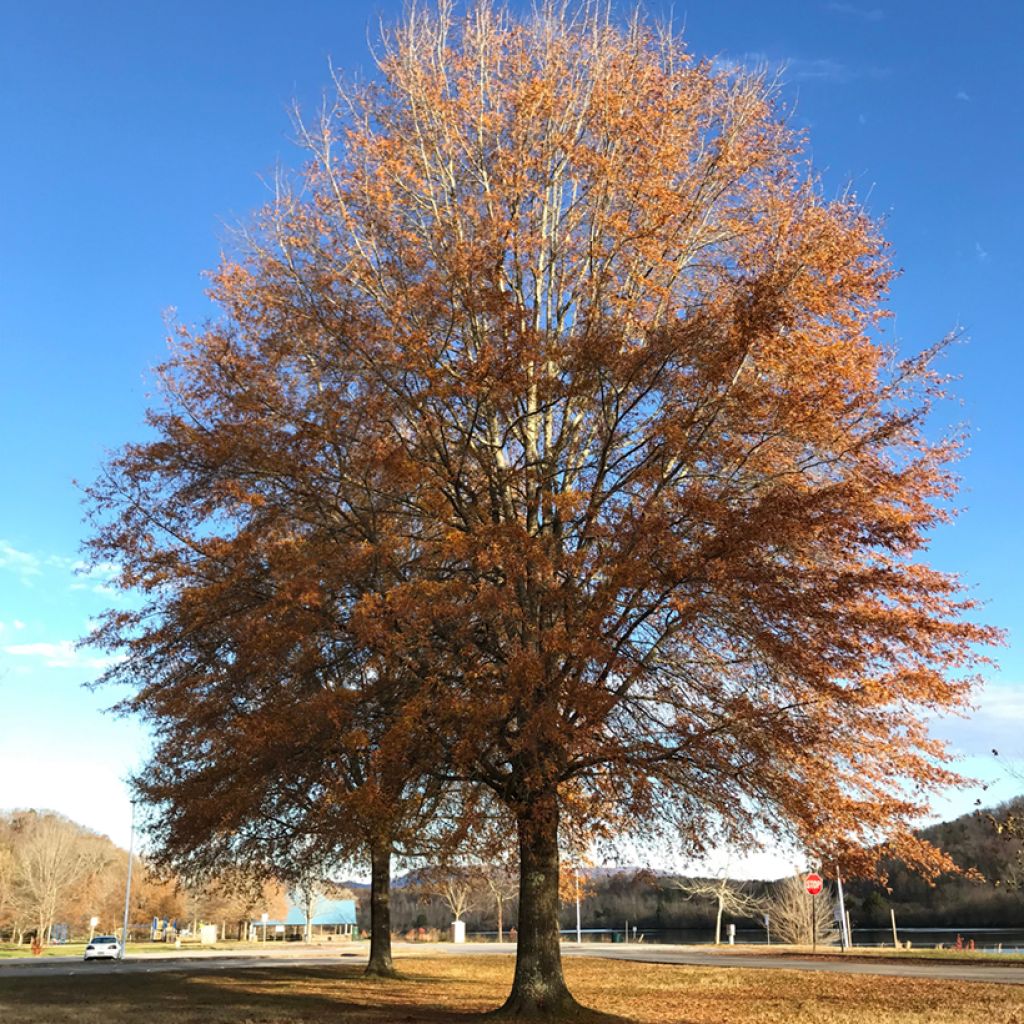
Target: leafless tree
<point x="728" y="896"/>
<point x="7" y="882"/>
<point x="502" y="882"/>
<point x="459" y="888"/>
<point x="51" y="859"/>
<point x="792" y="911"/>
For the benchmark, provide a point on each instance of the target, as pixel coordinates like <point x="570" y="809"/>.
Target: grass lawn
<point x="433" y="990"/>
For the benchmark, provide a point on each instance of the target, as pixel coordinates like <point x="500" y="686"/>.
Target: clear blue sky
<point x="133" y="133"/>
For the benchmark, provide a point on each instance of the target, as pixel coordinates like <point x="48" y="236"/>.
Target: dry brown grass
<point x="434" y="990"/>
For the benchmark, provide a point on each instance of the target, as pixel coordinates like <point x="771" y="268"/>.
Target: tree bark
<point x="380" y="964"/>
<point x="539" y="988"/>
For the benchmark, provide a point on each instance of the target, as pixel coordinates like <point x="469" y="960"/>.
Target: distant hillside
<point x="972" y="842"/>
<point x="651" y="900"/>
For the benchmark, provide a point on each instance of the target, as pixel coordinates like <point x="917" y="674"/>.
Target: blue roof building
<point x="330" y="918"/>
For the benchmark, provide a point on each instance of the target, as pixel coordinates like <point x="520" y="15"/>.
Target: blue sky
<point x="135" y="134"/>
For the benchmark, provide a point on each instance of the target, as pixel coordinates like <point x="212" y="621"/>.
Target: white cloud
<point x="61" y="654"/>
<point x="963" y="97"/>
<point x="864" y="13"/>
<point x="800" y="69"/>
<point x="21" y="563"/>
<point x="980" y="252"/>
<point x="62" y="561"/>
<point x="996" y="724"/>
<point x="95" y="578"/>
<point x="826" y="69"/>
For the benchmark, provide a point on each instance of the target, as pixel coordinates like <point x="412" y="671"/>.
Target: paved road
<point x="655" y="954"/>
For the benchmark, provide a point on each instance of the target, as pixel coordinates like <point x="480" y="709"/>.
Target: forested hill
<point x="974" y="842"/>
<point x="653" y="901"/>
<point x="91" y="882"/>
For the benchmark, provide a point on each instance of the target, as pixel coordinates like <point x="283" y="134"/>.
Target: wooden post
<point x="895" y="937"/>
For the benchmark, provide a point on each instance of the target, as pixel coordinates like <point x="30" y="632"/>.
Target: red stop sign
<point x="813" y="883"/>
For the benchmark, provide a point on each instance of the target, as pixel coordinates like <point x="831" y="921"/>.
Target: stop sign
<point x="813" y="883"/>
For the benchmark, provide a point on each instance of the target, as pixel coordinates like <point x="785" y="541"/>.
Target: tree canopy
<point x="552" y="401"/>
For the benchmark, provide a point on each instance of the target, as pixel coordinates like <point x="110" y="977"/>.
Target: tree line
<point x="55" y="873"/>
<point x="987" y="890"/>
<point x="544" y="476"/>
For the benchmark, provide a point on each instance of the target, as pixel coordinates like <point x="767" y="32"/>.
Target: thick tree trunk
<point x="381" y="964"/>
<point x="539" y="988"/>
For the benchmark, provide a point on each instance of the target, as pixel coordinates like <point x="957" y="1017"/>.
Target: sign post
<point x="813" y="884"/>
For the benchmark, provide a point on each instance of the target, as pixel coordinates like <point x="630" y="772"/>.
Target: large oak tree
<point x="658" y="494"/>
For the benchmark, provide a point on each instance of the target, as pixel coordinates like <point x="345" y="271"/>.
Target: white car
<point x="103" y="947"/>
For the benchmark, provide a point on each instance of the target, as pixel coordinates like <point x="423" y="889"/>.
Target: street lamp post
<point x="128" y="883"/>
<point x="579" y="932"/>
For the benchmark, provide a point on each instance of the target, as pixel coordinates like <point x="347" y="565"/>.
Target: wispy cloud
<point x="63" y="562"/>
<point x="826" y="69"/>
<point x="29" y="567"/>
<point x="95" y="578"/>
<point x="15" y="624"/>
<point x="853" y="11"/>
<point x="801" y="69"/>
<point x="61" y="654"/>
<point x="962" y="96"/>
<point x="996" y="724"/>
<point x="22" y="563"/>
<point x="980" y="253"/>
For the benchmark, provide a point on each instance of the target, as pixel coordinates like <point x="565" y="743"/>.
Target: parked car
<point x="103" y="947"/>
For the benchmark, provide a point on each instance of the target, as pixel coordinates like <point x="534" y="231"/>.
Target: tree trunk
<point x="499" y="918"/>
<point x="718" y="924"/>
<point x="539" y="988"/>
<point x="381" y="964"/>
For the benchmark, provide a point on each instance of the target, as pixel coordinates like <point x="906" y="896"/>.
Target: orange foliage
<point x="555" y="399"/>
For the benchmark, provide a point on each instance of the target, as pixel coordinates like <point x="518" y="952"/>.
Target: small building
<point x="332" y="920"/>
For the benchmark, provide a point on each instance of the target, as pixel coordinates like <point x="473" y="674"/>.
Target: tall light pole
<point x="128" y="883"/>
<point x="843" y="924"/>
<point x="579" y="933"/>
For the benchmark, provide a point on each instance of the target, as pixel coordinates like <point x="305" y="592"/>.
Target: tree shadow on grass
<point x="338" y="992"/>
